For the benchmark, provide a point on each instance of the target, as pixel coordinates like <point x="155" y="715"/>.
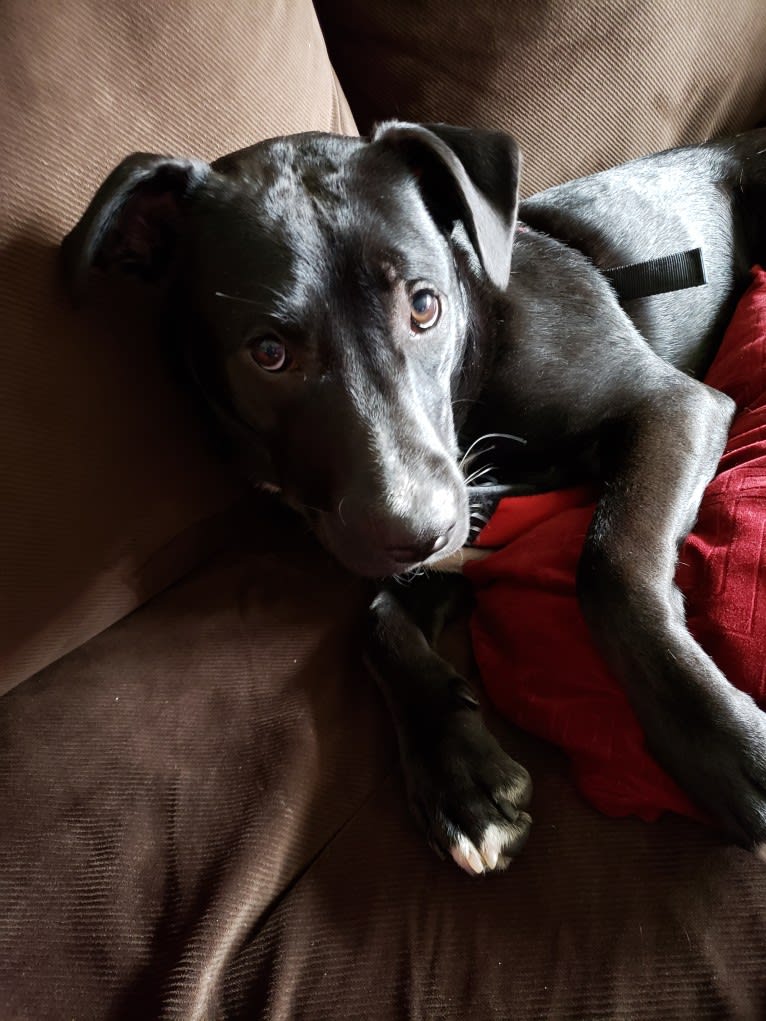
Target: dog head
<point x="316" y="290"/>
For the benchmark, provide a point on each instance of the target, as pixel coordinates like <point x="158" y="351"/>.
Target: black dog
<point x="350" y="310"/>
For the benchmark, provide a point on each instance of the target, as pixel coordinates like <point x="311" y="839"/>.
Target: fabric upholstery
<point x="581" y="85"/>
<point x="204" y="818"/>
<point x="104" y="479"/>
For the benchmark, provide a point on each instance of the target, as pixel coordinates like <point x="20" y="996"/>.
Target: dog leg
<point x="463" y="789"/>
<point x="707" y="734"/>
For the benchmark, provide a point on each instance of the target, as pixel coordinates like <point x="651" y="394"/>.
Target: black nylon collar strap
<point x="657" y="276"/>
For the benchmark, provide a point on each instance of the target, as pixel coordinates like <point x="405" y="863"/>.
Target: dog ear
<point x="133" y="219"/>
<point x="467" y="175"/>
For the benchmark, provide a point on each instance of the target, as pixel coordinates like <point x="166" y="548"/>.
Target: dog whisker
<point x="468" y="460"/>
<point x="278" y="296"/>
<point x="409" y="577"/>
<point x="493" y="436"/>
<point x="479" y="473"/>
<point x="235" y="297"/>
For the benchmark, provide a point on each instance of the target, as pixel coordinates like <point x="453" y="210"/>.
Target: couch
<point x="201" y="811"/>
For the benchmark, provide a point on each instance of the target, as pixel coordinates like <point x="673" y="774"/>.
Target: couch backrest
<point x="582" y="84"/>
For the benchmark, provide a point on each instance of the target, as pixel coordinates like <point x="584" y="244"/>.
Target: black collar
<point x="657" y="276"/>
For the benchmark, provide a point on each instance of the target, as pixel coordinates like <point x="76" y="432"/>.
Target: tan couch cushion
<point x="582" y="85"/>
<point x="103" y="479"/>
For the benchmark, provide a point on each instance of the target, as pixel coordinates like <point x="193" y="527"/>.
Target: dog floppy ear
<point x="132" y="221"/>
<point x="466" y="175"/>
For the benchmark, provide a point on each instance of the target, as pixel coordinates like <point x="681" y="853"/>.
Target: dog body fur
<point x="319" y="249"/>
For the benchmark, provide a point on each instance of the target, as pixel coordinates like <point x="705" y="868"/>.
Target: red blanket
<point x="531" y="642"/>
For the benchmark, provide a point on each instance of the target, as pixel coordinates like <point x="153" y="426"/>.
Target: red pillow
<point x="532" y="645"/>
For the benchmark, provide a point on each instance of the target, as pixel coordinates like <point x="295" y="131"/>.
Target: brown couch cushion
<point x="202" y="817"/>
<point x="103" y="480"/>
<point x="581" y="85"/>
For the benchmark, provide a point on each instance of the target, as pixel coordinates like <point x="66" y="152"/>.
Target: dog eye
<point x="425" y="310"/>
<point x="270" y="354"/>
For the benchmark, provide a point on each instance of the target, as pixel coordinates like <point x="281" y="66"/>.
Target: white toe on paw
<point x="491" y="845"/>
<point x="489" y="854"/>
<point x="466" y="856"/>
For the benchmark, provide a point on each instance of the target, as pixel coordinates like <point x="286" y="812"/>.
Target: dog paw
<point x="495" y="848"/>
<point x="721" y="762"/>
<point x="468" y="795"/>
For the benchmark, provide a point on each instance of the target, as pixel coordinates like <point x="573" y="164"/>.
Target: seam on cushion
<point x="340" y="104"/>
<point x="301" y="874"/>
<point x="338" y="101"/>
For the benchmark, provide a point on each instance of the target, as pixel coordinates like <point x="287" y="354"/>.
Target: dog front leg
<point x="707" y="734"/>
<point x="463" y="789"/>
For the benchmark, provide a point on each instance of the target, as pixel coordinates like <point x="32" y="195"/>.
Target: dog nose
<point x="413" y="553"/>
